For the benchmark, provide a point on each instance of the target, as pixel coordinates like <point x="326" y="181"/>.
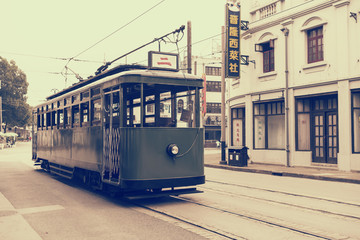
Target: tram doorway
<point x="111" y="136"/>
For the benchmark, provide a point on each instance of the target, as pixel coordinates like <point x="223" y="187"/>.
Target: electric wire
<point x="106" y="37"/>
<point x="120" y="28"/>
<point x="49" y="57"/>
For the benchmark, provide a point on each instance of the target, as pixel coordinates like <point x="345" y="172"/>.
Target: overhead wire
<point x="49" y="57"/>
<point x="106" y="37"/>
<point x="120" y="28"/>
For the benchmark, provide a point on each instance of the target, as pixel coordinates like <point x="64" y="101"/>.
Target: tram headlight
<point x="173" y="150"/>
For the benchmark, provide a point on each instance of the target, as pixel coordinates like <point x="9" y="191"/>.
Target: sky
<point x="41" y="35"/>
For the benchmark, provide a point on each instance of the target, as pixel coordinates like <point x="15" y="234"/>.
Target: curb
<point x="284" y="174"/>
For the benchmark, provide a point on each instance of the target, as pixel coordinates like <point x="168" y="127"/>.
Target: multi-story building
<point x="209" y="68"/>
<point x="297" y="103"/>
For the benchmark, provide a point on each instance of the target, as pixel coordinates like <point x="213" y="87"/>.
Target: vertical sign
<point x="204" y="94"/>
<point x="232" y="41"/>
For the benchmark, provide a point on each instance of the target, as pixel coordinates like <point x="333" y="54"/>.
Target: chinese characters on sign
<point x="232" y="44"/>
<point x="161" y="60"/>
<point x="237" y="132"/>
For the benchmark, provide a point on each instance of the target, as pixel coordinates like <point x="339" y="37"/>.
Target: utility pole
<point x="191" y="123"/>
<point x="222" y="140"/>
<point x="189" y="46"/>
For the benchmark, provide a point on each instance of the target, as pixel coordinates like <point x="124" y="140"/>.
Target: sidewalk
<point x="213" y="157"/>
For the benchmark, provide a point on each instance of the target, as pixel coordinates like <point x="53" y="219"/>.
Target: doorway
<point x="324" y="130"/>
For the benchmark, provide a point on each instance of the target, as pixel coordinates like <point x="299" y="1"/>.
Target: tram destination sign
<point x="232" y="55"/>
<point x="162" y="60"/>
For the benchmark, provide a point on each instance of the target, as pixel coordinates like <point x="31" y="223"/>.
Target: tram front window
<point x="163" y="106"/>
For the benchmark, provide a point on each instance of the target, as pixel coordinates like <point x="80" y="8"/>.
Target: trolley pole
<point x="222" y="140"/>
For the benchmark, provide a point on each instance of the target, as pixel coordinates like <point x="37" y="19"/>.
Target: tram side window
<point x="75" y="116"/>
<point x="96" y="112"/>
<point x="84" y="113"/>
<point x="184" y="108"/>
<point x="133" y="112"/>
<point x="67" y="117"/>
<point x="166" y="110"/>
<point x="38" y="121"/>
<point x="150" y="110"/>
<point x="60" y="118"/>
<point x="43" y="119"/>
<point x="53" y="119"/>
<point x="48" y="119"/>
<point x="116" y="109"/>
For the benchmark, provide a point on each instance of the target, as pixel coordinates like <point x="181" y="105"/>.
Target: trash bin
<point x="237" y="156"/>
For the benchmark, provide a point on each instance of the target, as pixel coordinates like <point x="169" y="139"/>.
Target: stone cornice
<point x="341" y="3"/>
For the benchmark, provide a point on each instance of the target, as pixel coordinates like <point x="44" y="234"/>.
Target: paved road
<point x="234" y="205"/>
<point x="35" y="205"/>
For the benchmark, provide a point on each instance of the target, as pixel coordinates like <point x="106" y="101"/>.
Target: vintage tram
<point x="132" y="128"/>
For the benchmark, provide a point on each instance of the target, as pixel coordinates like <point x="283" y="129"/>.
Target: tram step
<point x="176" y="192"/>
<point x="62" y="171"/>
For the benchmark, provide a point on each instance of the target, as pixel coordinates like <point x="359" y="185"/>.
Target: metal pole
<point x="222" y="140"/>
<point x="189" y="56"/>
<point x="286" y="34"/>
<point x="189" y="47"/>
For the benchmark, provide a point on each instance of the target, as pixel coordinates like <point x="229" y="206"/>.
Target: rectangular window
<point x="96" y="112"/>
<point x="213" y="86"/>
<point x="315" y="45"/>
<point x="67" y="117"/>
<point x="75" y="116"/>
<point x="84" y="116"/>
<point x="303" y="124"/>
<point x="48" y="119"/>
<point x="60" y="118"/>
<point x="213" y="71"/>
<point x="53" y="119"/>
<point x="268" y="58"/>
<point x="269" y="125"/>
<point x="213" y="107"/>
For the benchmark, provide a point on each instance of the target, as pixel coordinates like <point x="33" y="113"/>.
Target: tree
<point x="16" y="111"/>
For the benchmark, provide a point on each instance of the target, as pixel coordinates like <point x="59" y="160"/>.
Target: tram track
<point x="261" y="219"/>
<point x="214" y="233"/>
<point x="201" y="229"/>
<point x="285" y="193"/>
<point x="285" y="203"/>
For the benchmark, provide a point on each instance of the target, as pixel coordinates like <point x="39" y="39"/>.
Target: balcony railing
<point x="268" y="10"/>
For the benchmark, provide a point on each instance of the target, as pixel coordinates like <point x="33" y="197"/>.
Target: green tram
<point x="128" y="128"/>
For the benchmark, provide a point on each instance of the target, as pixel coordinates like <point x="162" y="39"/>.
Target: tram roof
<point x="135" y="73"/>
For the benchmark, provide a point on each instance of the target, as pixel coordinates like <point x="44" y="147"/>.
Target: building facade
<point x="297" y="103"/>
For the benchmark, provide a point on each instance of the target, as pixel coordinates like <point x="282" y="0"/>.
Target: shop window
<point x="303" y="123"/>
<point x="269" y="125"/>
<point x="356" y="121"/>
<point x="238" y="127"/>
